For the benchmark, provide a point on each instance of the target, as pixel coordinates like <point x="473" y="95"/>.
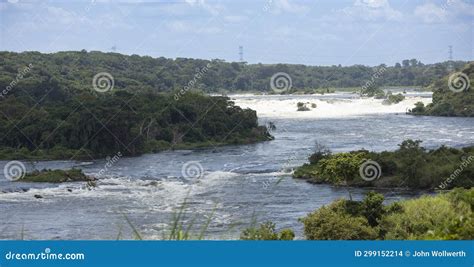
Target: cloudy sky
<point x="311" y="32"/>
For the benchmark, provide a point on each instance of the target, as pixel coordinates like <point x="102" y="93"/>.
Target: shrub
<point x="419" y="108"/>
<point x="340" y="168"/>
<point x="430" y="217"/>
<point x="446" y="216"/>
<point x="266" y="231"/>
<point x="333" y="223"/>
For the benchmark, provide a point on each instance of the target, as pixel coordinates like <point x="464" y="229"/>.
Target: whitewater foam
<point x="329" y="106"/>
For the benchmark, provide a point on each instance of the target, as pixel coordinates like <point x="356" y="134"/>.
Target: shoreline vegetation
<point x="410" y="166"/>
<point x="56" y="176"/>
<point x="453" y="96"/>
<point x="445" y="216"/>
<point x="85" y="125"/>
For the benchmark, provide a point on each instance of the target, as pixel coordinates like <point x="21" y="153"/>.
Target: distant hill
<point x="453" y="95"/>
<point x="74" y="70"/>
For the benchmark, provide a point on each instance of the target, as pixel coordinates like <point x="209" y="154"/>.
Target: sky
<point x="346" y="32"/>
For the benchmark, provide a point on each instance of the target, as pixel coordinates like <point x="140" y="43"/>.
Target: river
<point x="238" y="185"/>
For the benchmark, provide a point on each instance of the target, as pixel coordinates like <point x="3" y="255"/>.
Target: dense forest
<point x="453" y="95"/>
<point x="74" y="71"/>
<point x="85" y="125"/>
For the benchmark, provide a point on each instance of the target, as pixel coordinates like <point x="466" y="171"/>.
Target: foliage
<point x="447" y="102"/>
<point x="334" y="223"/>
<point x="87" y="124"/>
<point x="56" y="176"/>
<point x="266" y="231"/>
<point x="372" y="91"/>
<point x="320" y="153"/>
<point x="444" y="216"/>
<point x="432" y="217"/>
<point x="393" y="99"/>
<point x="419" y="108"/>
<point x="410" y="166"/>
<point x="72" y="70"/>
<point x="340" y="168"/>
<point x="302" y="107"/>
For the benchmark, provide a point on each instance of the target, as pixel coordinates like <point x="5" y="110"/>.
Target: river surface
<point x="238" y="185"/>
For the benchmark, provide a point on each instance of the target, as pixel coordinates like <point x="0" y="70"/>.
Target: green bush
<point x="411" y="166"/>
<point x="334" y="223"/>
<point x="431" y="217"/>
<point x="340" y="168"/>
<point x="449" y="103"/>
<point x="447" y="216"/>
<point x="266" y="231"/>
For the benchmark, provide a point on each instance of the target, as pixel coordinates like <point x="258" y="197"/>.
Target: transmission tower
<point x="241" y="53"/>
<point x="450" y="53"/>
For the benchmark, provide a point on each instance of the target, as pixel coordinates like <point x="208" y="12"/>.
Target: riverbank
<point x="410" y="166"/>
<point x="103" y="125"/>
<point x="453" y="96"/>
<point x="236" y="183"/>
<point x="445" y="216"/>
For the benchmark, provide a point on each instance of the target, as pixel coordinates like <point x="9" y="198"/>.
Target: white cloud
<point x="372" y="10"/>
<point x="214" y="9"/>
<point x="178" y="26"/>
<point x="461" y="7"/>
<point x="235" y="19"/>
<point x="282" y="6"/>
<point x="430" y="13"/>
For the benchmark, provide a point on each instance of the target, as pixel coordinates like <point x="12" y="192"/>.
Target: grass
<point x="178" y="230"/>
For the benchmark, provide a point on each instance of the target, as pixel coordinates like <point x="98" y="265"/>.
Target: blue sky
<point x="345" y="32"/>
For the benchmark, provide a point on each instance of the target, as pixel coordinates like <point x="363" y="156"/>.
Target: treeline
<point x="74" y="71"/>
<point x="83" y="125"/>
<point x="453" y="95"/>
<point x="411" y="166"/>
